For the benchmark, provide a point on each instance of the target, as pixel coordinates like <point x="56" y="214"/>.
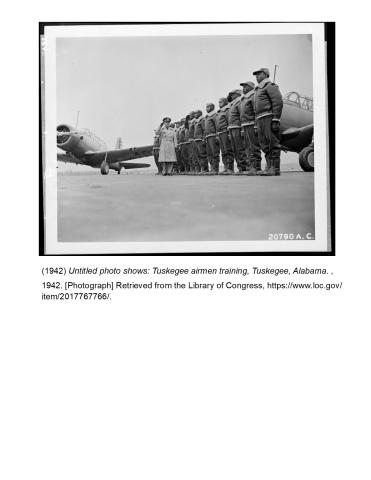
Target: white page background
<point x="174" y="386"/>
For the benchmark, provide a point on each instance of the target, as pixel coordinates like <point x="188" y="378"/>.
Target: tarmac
<point x="142" y="206"/>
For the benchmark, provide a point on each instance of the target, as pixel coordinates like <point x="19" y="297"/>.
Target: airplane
<point x="83" y="147"/>
<point x="296" y="128"/>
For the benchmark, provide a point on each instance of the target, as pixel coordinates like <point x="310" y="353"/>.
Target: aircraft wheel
<point x="306" y="158"/>
<point x="104" y="169"/>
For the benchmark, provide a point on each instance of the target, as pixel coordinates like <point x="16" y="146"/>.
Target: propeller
<point x="63" y="133"/>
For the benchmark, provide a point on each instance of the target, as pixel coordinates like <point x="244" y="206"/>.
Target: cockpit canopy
<point x="294" y="98"/>
<point x="89" y="134"/>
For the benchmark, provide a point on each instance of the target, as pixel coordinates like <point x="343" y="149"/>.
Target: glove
<point x="275" y="126"/>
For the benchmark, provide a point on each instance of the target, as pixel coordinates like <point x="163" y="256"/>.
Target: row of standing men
<point x="246" y="124"/>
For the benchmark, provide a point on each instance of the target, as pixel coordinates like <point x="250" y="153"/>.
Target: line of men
<point x="246" y="123"/>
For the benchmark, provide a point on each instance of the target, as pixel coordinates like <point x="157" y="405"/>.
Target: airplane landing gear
<point x="104" y="168"/>
<point x="306" y="158"/>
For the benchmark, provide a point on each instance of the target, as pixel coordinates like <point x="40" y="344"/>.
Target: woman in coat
<point x="167" y="137"/>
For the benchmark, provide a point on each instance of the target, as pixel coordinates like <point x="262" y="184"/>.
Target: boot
<point x="268" y="171"/>
<point x="241" y="169"/>
<point x="252" y="171"/>
<point x="277" y="164"/>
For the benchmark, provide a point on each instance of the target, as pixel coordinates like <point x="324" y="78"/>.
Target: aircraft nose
<point x="63" y="134"/>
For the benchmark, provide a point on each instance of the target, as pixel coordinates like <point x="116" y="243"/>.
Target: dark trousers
<point x="238" y="148"/>
<point x="269" y="143"/>
<point x="184" y="150"/>
<point x="194" y="157"/>
<point x="252" y="140"/>
<point x="212" y="150"/>
<point x="201" y="155"/>
<point x="179" y="161"/>
<point x="191" y="156"/>
<point x="156" y="154"/>
<point x="227" y="152"/>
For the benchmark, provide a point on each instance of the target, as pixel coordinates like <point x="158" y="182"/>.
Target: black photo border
<point x="329" y="33"/>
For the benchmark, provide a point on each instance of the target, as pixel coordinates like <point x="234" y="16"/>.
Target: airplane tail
<point x="118" y="145"/>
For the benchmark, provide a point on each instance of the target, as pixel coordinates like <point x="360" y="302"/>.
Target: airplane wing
<point x="293" y="132"/>
<point x="134" y="165"/>
<point x="294" y="139"/>
<point x="62" y="157"/>
<point x="120" y="155"/>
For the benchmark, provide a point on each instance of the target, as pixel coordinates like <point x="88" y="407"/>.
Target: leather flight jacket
<point x="247" y="113"/>
<point x="268" y="100"/>
<point x="211" y="124"/>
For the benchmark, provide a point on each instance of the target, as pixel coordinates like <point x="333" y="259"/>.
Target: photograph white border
<point x="321" y="209"/>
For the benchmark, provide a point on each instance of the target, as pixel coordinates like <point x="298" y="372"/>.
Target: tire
<point x="104" y="169"/>
<point x="306" y="158"/>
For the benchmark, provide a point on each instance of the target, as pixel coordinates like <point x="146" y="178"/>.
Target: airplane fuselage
<point x="83" y="147"/>
<point x="78" y="142"/>
<point x="293" y="116"/>
<point x="297" y="114"/>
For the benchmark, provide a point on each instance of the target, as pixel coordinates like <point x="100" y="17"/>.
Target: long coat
<point x="168" y="143"/>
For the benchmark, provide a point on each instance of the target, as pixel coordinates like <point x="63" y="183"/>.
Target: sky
<point x="124" y="86"/>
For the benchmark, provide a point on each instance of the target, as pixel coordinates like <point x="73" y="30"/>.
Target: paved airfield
<point x="140" y="206"/>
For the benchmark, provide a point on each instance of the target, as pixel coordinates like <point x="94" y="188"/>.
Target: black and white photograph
<point x="185" y="138"/>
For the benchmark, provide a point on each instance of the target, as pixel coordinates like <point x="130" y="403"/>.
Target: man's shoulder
<point x="274" y="85"/>
<point x="223" y="109"/>
<point x="247" y="99"/>
<point x="236" y="101"/>
<point x="267" y="85"/>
